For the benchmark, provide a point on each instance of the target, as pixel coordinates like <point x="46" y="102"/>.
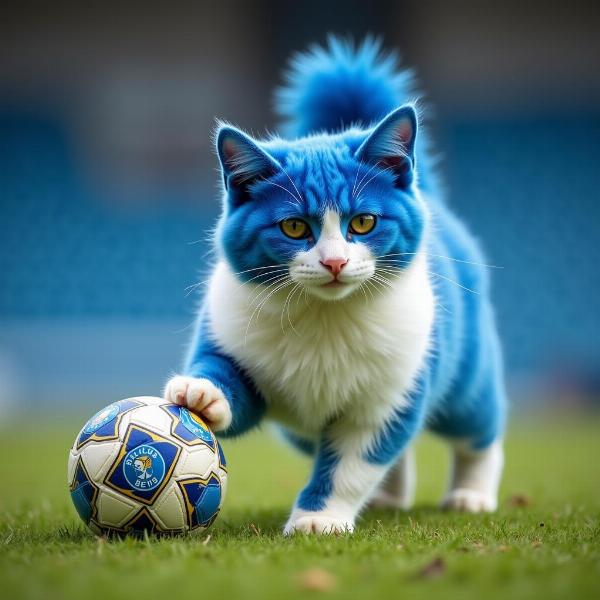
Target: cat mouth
<point x="333" y="284"/>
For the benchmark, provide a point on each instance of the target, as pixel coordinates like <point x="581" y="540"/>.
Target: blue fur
<point x="318" y="489"/>
<point x="205" y="360"/>
<point x="300" y="443"/>
<point x="337" y="87"/>
<point x="331" y="93"/>
<point x="400" y="428"/>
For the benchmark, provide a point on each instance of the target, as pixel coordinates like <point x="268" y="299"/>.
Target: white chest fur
<point x="353" y="359"/>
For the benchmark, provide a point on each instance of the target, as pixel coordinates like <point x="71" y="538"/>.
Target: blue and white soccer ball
<point x="144" y="464"/>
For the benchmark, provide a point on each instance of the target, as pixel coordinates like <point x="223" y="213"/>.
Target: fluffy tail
<point x="332" y="88"/>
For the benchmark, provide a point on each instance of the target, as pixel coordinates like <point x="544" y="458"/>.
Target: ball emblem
<point x="106" y="415"/>
<point x="144" y="467"/>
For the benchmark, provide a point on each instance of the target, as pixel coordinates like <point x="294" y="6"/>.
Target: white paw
<point x="321" y="523"/>
<point x="472" y="501"/>
<point x="202" y="397"/>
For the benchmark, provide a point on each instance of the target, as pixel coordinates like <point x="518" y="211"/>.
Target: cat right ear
<point x="242" y="161"/>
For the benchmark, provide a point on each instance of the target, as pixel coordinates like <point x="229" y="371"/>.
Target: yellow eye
<point x="295" y="228"/>
<point x="362" y="224"/>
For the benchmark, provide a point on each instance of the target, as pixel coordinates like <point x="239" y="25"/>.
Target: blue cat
<point x="348" y="304"/>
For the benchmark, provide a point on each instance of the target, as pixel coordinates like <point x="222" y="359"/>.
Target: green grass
<point x="548" y="549"/>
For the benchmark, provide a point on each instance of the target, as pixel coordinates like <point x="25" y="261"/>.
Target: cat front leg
<point x="217" y="391"/>
<point x="350" y="464"/>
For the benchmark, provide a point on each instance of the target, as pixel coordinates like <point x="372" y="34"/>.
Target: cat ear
<point x="391" y="145"/>
<point x="242" y="161"/>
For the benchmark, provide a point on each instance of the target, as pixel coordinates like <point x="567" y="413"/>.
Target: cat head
<point x="324" y="211"/>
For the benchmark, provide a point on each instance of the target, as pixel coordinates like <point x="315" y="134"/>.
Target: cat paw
<point x="472" y="501"/>
<point x="202" y="397"/>
<point x="319" y="523"/>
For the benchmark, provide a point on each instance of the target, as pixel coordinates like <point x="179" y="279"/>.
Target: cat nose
<point x="335" y="265"/>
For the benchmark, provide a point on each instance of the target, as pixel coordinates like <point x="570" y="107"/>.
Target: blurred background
<point x="108" y="177"/>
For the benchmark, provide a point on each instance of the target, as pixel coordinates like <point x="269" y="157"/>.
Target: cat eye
<point x="362" y="224"/>
<point x="296" y="229"/>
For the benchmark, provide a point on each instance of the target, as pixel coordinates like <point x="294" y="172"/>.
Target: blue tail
<point x="341" y="85"/>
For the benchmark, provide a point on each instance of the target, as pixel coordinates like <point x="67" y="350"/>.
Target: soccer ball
<point x="144" y="464"/>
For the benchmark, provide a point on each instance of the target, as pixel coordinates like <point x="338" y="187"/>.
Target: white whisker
<point x="356" y="176"/>
<point x="298" y="200"/>
<point x="460" y="285"/>
<point x="262" y="290"/>
<point x="287" y="303"/>
<point x="258" y="308"/>
<point x="365" y="175"/>
<point x="371" y="179"/>
<point x="459" y="260"/>
<point x="270" y="272"/>
<point x="195" y="285"/>
<point x="292" y="182"/>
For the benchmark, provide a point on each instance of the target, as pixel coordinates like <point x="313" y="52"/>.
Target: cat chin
<point x="333" y="293"/>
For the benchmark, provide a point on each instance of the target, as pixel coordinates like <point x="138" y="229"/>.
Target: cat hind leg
<point x="475" y="477"/>
<point x="397" y="491"/>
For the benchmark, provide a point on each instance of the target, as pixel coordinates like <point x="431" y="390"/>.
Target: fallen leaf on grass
<point x="519" y="501"/>
<point x="436" y="568"/>
<point x="317" y="580"/>
<point x="536" y="544"/>
<point x="255" y="529"/>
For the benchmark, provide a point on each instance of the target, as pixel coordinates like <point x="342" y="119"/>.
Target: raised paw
<point x="202" y="397"/>
<point x="472" y="501"/>
<point x="320" y="523"/>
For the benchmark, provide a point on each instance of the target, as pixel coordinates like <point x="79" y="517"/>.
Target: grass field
<point x="544" y="542"/>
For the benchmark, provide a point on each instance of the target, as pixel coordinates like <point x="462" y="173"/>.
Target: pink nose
<point x="335" y="265"/>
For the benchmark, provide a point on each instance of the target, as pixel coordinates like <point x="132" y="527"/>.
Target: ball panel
<point x="223" y="477"/>
<point x="71" y="466"/>
<point x="198" y="461"/>
<point x="84" y="493"/>
<point x="153" y="418"/>
<point x="95" y="528"/>
<point x="189" y="428"/>
<point x="114" y="510"/>
<point x="97" y="458"/>
<point x="202" y="499"/>
<point x="169" y="509"/>
<point x="222" y="461"/>
<point x="145" y="521"/>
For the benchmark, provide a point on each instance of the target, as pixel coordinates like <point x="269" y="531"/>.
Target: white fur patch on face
<point x="311" y="271"/>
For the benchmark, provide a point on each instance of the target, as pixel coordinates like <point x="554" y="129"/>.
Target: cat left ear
<point x="391" y="145"/>
<point x="242" y="160"/>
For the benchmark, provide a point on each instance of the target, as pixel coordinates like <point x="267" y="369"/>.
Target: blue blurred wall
<point x="96" y="251"/>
